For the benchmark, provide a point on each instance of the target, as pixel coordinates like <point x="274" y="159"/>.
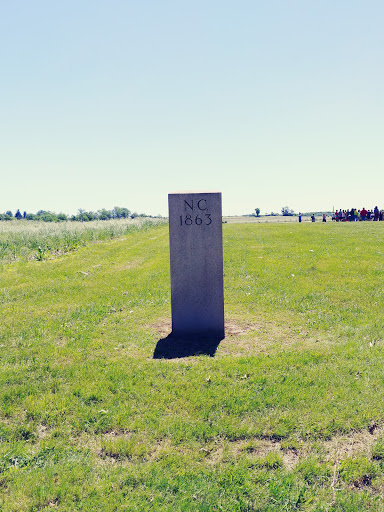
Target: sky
<point x="120" y="102"/>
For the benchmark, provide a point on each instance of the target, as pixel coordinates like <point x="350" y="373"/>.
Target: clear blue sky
<point x="119" y="102"/>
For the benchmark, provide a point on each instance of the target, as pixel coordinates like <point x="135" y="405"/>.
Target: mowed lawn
<point x="287" y="415"/>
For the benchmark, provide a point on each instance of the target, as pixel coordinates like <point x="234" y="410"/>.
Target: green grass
<point x="288" y="414"/>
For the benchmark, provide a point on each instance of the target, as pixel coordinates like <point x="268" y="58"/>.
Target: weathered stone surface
<point x="196" y="252"/>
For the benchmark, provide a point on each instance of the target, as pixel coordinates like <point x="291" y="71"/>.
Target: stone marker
<point x="196" y="251"/>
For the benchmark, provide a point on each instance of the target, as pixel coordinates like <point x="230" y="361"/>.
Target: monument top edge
<point x="195" y="192"/>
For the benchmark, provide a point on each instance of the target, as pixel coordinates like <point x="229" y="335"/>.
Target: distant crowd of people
<point x="354" y="215"/>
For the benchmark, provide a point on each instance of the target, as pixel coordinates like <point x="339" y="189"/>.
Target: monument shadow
<point x="181" y="345"/>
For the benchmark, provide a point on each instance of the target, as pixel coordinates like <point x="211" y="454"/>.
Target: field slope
<point x="287" y="414"/>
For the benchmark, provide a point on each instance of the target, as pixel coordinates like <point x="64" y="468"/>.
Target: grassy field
<point x="241" y="219"/>
<point x="287" y="415"/>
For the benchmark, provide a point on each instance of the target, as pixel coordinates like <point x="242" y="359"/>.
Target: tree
<point x="116" y="213"/>
<point x="104" y="214"/>
<point x="286" y="211"/>
<point x="47" y="217"/>
<point x="82" y="217"/>
<point x="257" y="210"/>
<point x="18" y="215"/>
<point x="125" y="213"/>
<point x="120" y="213"/>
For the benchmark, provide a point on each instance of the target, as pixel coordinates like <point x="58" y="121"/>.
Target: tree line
<point x="285" y="211"/>
<point x="82" y="216"/>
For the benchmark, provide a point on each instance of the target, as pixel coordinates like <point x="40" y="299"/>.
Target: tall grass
<point x="40" y="240"/>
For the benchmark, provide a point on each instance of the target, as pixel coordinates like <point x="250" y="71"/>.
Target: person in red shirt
<point x="363" y="214"/>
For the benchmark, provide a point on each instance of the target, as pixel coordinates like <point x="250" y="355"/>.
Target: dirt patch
<point x="259" y="447"/>
<point x="290" y="459"/>
<point x="160" y="451"/>
<point x="113" y="434"/>
<point x="42" y="432"/>
<point x="335" y="450"/>
<point x="251" y="337"/>
<point x="223" y="451"/>
<point x="254" y="449"/>
<point x="233" y="329"/>
<point x="213" y="455"/>
<point x="163" y="328"/>
<point x="264" y="446"/>
<point x="61" y="341"/>
<point x="361" y="443"/>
